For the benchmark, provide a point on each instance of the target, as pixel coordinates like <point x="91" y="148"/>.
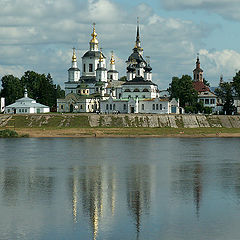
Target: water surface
<point x="126" y="188"/>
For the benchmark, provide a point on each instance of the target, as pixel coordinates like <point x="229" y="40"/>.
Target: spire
<point x="74" y="59"/>
<point x="94" y="41"/>
<point x="197" y="62"/>
<point x="112" y="61"/>
<point x="138" y="42"/>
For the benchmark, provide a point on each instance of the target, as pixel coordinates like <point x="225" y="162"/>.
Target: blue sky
<point x="39" y="35"/>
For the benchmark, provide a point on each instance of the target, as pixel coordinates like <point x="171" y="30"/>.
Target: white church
<point x="97" y="89"/>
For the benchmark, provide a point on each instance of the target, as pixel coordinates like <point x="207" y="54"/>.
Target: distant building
<point x="26" y="105"/>
<point x="205" y="95"/>
<point x="2" y="105"/>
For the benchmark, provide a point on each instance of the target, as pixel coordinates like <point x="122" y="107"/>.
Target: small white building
<point x="2" y="105"/>
<point x="26" y="105"/>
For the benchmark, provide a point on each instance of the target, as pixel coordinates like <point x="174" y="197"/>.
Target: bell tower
<point x="198" y="72"/>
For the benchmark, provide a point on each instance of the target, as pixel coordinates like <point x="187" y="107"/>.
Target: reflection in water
<point x="138" y="192"/>
<point x="187" y="182"/>
<point x="38" y="187"/>
<point x="230" y="178"/>
<point x="91" y="183"/>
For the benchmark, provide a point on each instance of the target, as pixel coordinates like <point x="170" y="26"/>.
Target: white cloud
<point x="225" y="62"/>
<point x="227" y="8"/>
<point x="38" y="35"/>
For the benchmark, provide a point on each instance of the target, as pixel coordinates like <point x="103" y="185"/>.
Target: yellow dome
<point x="112" y="61"/>
<point x="74" y="58"/>
<point x="94" y="36"/>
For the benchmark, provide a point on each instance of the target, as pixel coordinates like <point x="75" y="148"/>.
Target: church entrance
<point x="71" y="108"/>
<point x="132" y="109"/>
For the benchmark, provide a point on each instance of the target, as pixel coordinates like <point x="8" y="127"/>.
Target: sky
<point x="39" y="35"/>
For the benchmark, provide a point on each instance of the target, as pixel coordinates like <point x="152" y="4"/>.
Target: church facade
<point x="98" y="89"/>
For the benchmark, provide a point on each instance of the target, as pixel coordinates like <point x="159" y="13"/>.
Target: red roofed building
<point x="208" y="98"/>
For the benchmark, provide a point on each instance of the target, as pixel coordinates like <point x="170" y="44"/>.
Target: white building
<point x="26" y="105"/>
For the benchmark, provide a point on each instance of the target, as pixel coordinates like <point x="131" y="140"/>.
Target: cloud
<point x="40" y="35"/>
<point x="225" y="62"/>
<point x="227" y="8"/>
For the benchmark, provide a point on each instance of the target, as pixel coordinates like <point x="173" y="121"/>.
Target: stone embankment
<point x="120" y="120"/>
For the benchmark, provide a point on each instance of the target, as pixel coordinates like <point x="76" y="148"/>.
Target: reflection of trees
<point x="138" y="192"/>
<point x="11" y="181"/>
<point x="188" y="182"/>
<point x="36" y="187"/>
<point x="230" y="178"/>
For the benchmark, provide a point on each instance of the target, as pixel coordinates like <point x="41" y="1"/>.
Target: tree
<point x="225" y="92"/>
<point x="39" y="86"/>
<point x="12" y="89"/>
<point x="182" y="89"/>
<point x="236" y="83"/>
<point x="206" y="83"/>
<point x="123" y="78"/>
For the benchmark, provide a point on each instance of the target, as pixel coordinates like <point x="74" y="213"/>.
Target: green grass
<point x="7" y="133"/>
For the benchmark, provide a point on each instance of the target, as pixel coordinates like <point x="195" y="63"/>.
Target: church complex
<point x="98" y="89"/>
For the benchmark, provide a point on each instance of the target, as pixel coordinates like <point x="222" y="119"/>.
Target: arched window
<point x="107" y="107"/>
<point x="110" y="106"/>
<point x="136" y="90"/>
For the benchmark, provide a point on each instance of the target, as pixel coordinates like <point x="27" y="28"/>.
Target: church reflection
<point x="187" y="182"/>
<point x="94" y="188"/>
<point x="138" y="193"/>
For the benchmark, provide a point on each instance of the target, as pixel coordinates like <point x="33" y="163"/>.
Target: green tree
<point x="39" y="86"/>
<point x="225" y="92"/>
<point x="182" y="89"/>
<point x="236" y="83"/>
<point x="123" y="78"/>
<point x="206" y="83"/>
<point x="12" y="89"/>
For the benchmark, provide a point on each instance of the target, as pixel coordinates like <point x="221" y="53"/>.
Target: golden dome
<point x="101" y="57"/>
<point x="94" y="35"/>
<point x="74" y="58"/>
<point x="112" y="61"/>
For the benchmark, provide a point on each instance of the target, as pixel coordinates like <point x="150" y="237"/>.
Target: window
<point x="156" y="106"/>
<point x="19" y="110"/>
<point x="129" y="96"/>
<point x="111" y="76"/>
<point x="145" y="90"/>
<point x="124" y="107"/>
<point x="212" y="101"/>
<point x="107" y="107"/>
<point x="160" y="106"/>
<point x="142" y="106"/>
<point x="120" y="95"/>
<point x="61" y="106"/>
<point x="127" y="90"/>
<point x="206" y="101"/>
<point x="83" y="91"/>
<point x="143" y="96"/>
<point x="84" y="67"/>
<point x="8" y="110"/>
<point x="153" y="107"/>
<point x="79" y="91"/>
<point x="90" y="67"/>
<point x="81" y="107"/>
<point x="97" y="89"/>
<point x="138" y="72"/>
<point x="136" y="90"/>
<point x="201" y="100"/>
<point x="110" y="106"/>
<point x="114" y="107"/>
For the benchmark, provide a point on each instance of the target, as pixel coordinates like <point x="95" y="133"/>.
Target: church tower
<point x="198" y="72"/>
<point x="90" y="59"/>
<point x="112" y="73"/>
<point x="74" y="72"/>
<point x="101" y="71"/>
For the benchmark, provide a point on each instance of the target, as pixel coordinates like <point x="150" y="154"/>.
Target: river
<point x="120" y="188"/>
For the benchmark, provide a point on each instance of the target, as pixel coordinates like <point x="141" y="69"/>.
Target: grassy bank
<point x="7" y="133"/>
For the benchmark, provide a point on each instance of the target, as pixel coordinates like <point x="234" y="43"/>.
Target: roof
<point x="26" y="103"/>
<point x="136" y="56"/>
<point x="93" y="54"/>
<point x="139" y="81"/>
<point x="101" y="68"/>
<point x="112" y="71"/>
<point x="200" y="86"/>
<point x="73" y="69"/>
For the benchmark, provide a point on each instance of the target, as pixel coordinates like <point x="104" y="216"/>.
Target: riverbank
<point x="129" y="132"/>
<point x="122" y="125"/>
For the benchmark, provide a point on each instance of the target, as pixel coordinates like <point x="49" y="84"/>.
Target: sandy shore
<point x="116" y="133"/>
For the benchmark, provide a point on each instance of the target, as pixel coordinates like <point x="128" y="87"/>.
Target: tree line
<point x="182" y="89"/>
<point x="40" y="87"/>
